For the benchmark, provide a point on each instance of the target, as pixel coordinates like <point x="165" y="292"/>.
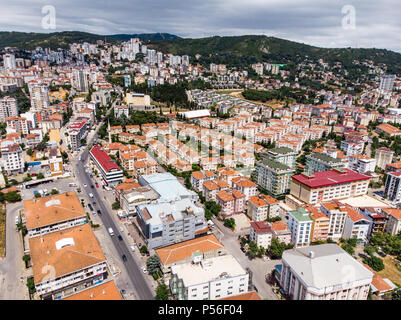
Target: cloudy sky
<point x="334" y="23"/>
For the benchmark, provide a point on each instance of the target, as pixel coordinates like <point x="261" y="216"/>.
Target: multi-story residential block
<point x="273" y="176"/>
<point x="320" y="225"/>
<point x="281" y="232"/>
<point x="283" y="155"/>
<point x="8" y="108"/>
<point x="183" y="252"/>
<point x="317" y="273"/>
<point x="211" y="187"/>
<point x="383" y="156"/>
<point x="120" y="111"/>
<point x="53" y="213"/>
<point x="393" y="225"/>
<point x="352" y="148"/>
<point x="77" y="132"/>
<point x="18" y="124"/>
<point x="300" y="225"/>
<point x="231" y="202"/>
<point x="216" y="278"/>
<point x="39" y="93"/>
<point x="362" y="164"/>
<point x="199" y="177"/>
<point x="72" y="257"/>
<point x="388" y="129"/>
<point x="356" y="225"/>
<point x="377" y="220"/>
<point x="328" y="185"/>
<point x="261" y="233"/>
<point x="109" y="170"/>
<point x="80" y="80"/>
<point x="104" y="291"/>
<point x="392" y="189"/>
<point x="12" y="160"/>
<point x="246" y="186"/>
<point x="337" y="214"/>
<point x="316" y="162"/>
<point x="261" y="207"/>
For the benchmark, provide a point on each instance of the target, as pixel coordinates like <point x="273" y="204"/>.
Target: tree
<point x="115" y="205"/>
<point x="31" y="285"/>
<point x="253" y="249"/>
<point x="396" y="295"/>
<point x="12" y="196"/>
<point x="230" y="223"/>
<point x="277" y="248"/>
<point x="375" y="263"/>
<point x="54" y="191"/>
<point x="162" y="291"/>
<point x="143" y="250"/>
<point x="37" y="195"/>
<point x="369" y="250"/>
<point x="29" y="152"/>
<point x="153" y="264"/>
<point x="26" y="258"/>
<point x="40" y="176"/>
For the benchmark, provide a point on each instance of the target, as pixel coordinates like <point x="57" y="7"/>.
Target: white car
<point x="121" y="229"/>
<point x="85" y="185"/>
<point x="16" y="219"/>
<point x="91" y="195"/>
<point x="144" y="270"/>
<point x="132" y="248"/>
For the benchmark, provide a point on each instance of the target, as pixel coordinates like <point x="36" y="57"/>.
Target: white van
<point x="111" y="232"/>
<point x="210" y="224"/>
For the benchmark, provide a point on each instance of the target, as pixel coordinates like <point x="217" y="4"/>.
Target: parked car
<point x="132" y="248"/>
<point x="144" y="269"/>
<point x="120" y="237"/>
<point x="99" y="212"/>
<point x="124" y="257"/>
<point x="91" y="195"/>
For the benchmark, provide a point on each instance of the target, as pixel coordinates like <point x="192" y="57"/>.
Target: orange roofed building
<point x="104" y="291"/>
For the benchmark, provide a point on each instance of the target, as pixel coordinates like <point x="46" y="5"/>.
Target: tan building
<point x="393" y="225"/>
<point x="328" y="185"/>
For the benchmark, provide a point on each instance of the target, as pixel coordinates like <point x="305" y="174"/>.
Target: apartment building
<point x="231" y="201"/>
<point x="393" y="225"/>
<point x="273" y="176"/>
<point x="316" y="162"/>
<point x="73" y="259"/>
<point x="12" y="160"/>
<point x="39" y="94"/>
<point x="317" y="273"/>
<point x="77" y="132"/>
<point x="211" y="187"/>
<point x="8" y="108"/>
<point x="388" y="129"/>
<point x="320" y="225"/>
<point x="392" y="188"/>
<point x="283" y="155"/>
<point x="109" y="170"/>
<point x="199" y="177"/>
<point x="261" y="207"/>
<point x="281" y="232"/>
<point x="53" y="213"/>
<point x="261" y="233"/>
<point x="337" y="214"/>
<point x="362" y="164"/>
<point x="246" y="186"/>
<point x="18" y="124"/>
<point x="356" y="225"/>
<point x="383" y="156"/>
<point x="183" y="252"/>
<point x="300" y="225"/>
<point x="328" y="185"/>
<point x="100" y="292"/>
<point x="216" y="278"/>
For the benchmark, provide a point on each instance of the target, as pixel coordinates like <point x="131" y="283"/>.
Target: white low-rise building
<point x="208" y="279"/>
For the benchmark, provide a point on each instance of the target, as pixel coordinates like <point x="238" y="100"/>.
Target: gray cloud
<point x="308" y="21"/>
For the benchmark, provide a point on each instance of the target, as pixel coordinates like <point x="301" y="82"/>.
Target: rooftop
<point x="275" y="165"/>
<point x="104" y="159"/>
<point x="183" y="250"/>
<point x="66" y="251"/>
<point x="330" y="177"/>
<point x="208" y="270"/>
<point x="323" y="157"/>
<point x="52" y="209"/>
<point x="104" y="291"/>
<point x="326" y="268"/>
<point x="301" y="215"/>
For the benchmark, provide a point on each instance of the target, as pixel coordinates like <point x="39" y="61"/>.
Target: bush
<point x="12" y="196"/>
<point x="375" y="263"/>
<point x="143" y="250"/>
<point x="162" y="291"/>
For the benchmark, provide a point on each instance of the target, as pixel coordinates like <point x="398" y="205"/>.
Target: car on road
<point x="85" y="185"/>
<point x="144" y="270"/>
<point x="111" y="232"/>
<point x="99" y="212"/>
<point x="90" y="206"/>
<point x="124" y="257"/>
<point x="94" y="203"/>
<point x="16" y="219"/>
<point x="91" y="195"/>
<point x="97" y="186"/>
<point x="139" y="245"/>
<point x="121" y="229"/>
<point x="132" y="248"/>
<point x="120" y="237"/>
<point x="92" y="186"/>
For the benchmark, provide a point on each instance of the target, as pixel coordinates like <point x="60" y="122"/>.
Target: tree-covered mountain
<point x="243" y="50"/>
<point x="55" y="40"/>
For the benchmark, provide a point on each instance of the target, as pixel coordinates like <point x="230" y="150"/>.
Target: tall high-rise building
<point x="387" y="82"/>
<point x="39" y="93"/>
<point x="159" y="57"/>
<point x="8" y="108"/>
<point x="151" y="56"/>
<point x="80" y="80"/>
<point x="383" y="156"/>
<point x="9" y="61"/>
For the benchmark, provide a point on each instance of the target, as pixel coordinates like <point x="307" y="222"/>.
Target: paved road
<point x="12" y="266"/>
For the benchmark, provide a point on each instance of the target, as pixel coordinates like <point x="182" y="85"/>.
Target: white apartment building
<point x="337" y="214"/>
<point x="324" y="272"/>
<point x="246" y="186"/>
<point x="356" y="226"/>
<point x="393" y="224"/>
<point x="12" y="159"/>
<point x="216" y="278"/>
<point x="300" y="225"/>
<point x="351" y="148"/>
<point x="39" y="93"/>
<point x="393" y="187"/>
<point x="8" y="108"/>
<point x="9" y="62"/>
<point x="261" y="207"/>
<point x="362" y="164"/>
<point x="261" y="233"/>
<point x="383" y="157"/>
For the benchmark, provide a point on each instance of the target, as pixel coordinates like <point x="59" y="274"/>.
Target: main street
<point x="132" y="268"/>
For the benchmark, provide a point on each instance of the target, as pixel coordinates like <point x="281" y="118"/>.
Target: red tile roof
<point x="103" y="159"/>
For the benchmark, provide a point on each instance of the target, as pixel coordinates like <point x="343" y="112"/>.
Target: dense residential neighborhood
<point x="131" y="173"/>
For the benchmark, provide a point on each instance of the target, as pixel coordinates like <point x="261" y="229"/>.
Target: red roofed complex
<point x="110" y="171"/>
<point x="328" y="185"/>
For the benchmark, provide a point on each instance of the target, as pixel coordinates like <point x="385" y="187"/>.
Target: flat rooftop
<point x="365" y="201"/>
<point x="52" y="209"/>
<point x="208" y="270"/>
